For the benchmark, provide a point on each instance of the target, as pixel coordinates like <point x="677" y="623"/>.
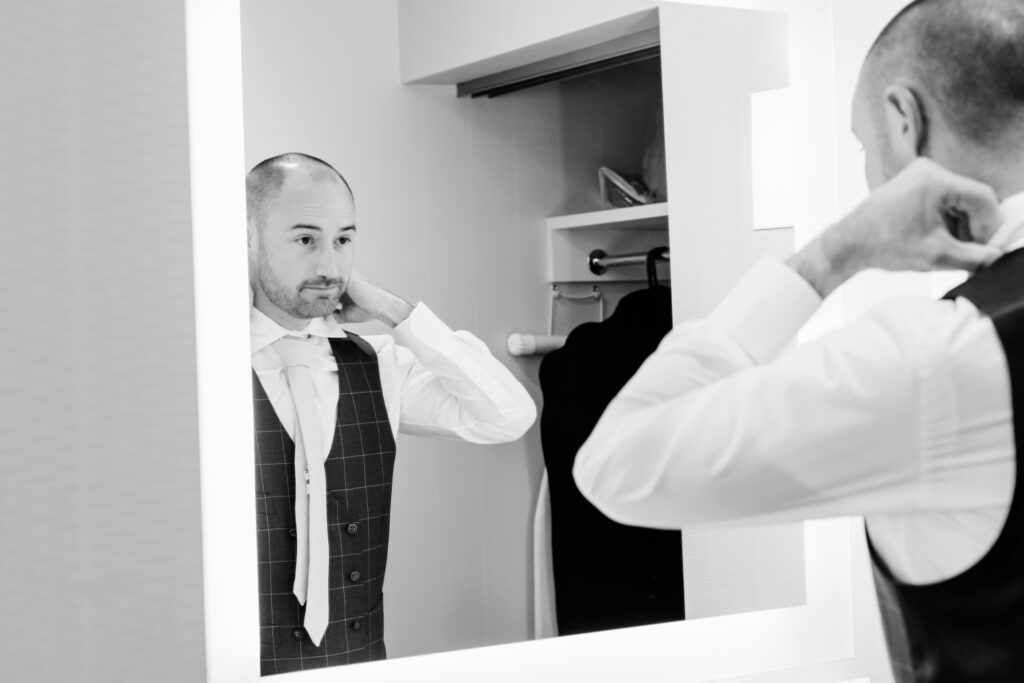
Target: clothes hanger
<point x="653" y="256"/>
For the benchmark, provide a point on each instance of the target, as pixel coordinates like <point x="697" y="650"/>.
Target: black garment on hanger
<point x="607" y="575"/>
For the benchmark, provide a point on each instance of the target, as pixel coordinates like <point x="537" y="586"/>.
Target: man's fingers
<point x="966" y="255"/>
<point x="978" y="201"/>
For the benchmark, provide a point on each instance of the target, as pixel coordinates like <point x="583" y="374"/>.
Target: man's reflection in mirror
<point x="328" y="407"/>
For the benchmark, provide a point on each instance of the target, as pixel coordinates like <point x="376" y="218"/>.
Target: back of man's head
<point x="964" y="59"/>
<point x="267" y="178"/>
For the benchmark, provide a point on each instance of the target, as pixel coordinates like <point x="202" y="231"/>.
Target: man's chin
<point x="316" y="309"/>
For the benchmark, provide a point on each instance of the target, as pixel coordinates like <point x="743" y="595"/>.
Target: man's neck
<point x="1003" y="172"/>
<point x="1007" y="184"/>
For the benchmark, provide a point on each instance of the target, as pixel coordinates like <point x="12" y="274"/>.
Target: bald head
<point x="301" y="238"/>
<point x="964" y="59"/>
<point x="265" y="181"/>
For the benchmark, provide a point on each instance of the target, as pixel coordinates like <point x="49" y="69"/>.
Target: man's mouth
<point x="322" y="288"/>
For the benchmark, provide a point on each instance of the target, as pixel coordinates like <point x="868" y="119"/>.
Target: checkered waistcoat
<point x="359" y="469"/>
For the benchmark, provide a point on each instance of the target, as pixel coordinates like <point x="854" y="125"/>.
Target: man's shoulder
<point x="920" y="328"/>
<point x="916" y="310"/>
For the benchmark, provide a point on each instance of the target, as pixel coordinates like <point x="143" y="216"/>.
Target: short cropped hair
<point x="267" y="178"/>
<point x="969" y="54"/>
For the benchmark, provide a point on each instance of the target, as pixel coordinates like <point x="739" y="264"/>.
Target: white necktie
<point x="313" y="554"/>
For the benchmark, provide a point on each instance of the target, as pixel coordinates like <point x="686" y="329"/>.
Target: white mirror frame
<point x="720" y="647"/>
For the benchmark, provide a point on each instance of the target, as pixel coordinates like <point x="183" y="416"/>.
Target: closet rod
<point x="599" y="262"/>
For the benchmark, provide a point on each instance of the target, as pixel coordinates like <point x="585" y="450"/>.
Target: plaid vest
<point x="359" y="471"/>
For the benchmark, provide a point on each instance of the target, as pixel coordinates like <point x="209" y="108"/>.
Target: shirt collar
<point x="263" y="331"/>
<point x="1010" y="234"/>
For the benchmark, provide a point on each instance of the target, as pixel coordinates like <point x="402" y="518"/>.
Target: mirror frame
<point x="818" y="631"/>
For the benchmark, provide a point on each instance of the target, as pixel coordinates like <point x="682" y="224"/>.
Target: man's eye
<point x="344" y="240"/>
<point x="305" y="240"/>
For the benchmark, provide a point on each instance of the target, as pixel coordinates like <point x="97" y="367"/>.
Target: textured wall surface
<point x="99" y="474"/>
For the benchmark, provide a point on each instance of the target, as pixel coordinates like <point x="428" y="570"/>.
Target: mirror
<point x="460" y="568"/>
<point x="450" y="195"/>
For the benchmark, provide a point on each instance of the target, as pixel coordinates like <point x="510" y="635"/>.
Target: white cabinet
<point x="451" y="41"/>
<point x="633" y="229"/>
<point x="713" y="60"/>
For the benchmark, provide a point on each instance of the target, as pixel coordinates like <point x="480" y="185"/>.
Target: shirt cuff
<point x="767" y="308"/>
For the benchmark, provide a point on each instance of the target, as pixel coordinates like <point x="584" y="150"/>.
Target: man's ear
<point x="906" y="123"/>
<point x="250" y="234"/>
<point x="251" y="238"/>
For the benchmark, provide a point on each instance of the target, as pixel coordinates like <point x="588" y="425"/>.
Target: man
<point x="328" y="406"/>
<point x="913" y="415"/>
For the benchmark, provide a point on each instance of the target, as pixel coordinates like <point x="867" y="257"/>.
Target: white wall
<point x="99" y="476"/>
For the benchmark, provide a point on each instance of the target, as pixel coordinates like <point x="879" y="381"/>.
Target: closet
<point x="607" y="117"/>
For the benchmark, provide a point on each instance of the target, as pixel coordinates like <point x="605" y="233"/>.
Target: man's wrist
<point x="827" y="261"/>
<point x="395" y="311"/>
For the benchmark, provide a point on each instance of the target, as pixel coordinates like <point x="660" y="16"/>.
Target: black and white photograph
<point x="505" y="340"/>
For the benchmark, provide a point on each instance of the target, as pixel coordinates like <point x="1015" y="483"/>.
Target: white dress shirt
<point x="435" y="382"/>
<point x="903" y="416"/>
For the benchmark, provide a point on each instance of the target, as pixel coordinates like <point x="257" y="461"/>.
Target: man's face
<point x="880" y="160"/>
<point x="302" y="256"/>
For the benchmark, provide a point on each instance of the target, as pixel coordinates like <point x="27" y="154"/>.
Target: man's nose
<point x="327" y="264"/>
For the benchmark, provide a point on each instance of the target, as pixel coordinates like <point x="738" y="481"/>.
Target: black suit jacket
<point x="607" y="575"/>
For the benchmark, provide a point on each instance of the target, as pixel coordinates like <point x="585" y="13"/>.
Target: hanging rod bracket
<point x="599" y="261"/>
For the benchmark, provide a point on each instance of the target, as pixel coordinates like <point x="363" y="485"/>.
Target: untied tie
<point x="313" y="554"/>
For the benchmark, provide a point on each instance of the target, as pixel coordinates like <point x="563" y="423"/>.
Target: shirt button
<point x="355" y="576"/>
<point x="353" y="529"/>
<point x="298" y="634"/>
<point x="291" y="532"/>
<point x="356" y="625"/>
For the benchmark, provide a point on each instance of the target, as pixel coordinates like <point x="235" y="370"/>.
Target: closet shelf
<point x="571" y="240"/>
<point x="644" y="217"/>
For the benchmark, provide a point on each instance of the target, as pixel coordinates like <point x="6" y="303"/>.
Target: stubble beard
<point x="291" y="301"/>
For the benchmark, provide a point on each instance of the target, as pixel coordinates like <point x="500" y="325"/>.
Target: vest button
<point x="352" y="529"/>
<point x="298" y="634"/>
<point x="355" y="576"/>
<point x="356" y="625"/>
<point x="291" y="532"/>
